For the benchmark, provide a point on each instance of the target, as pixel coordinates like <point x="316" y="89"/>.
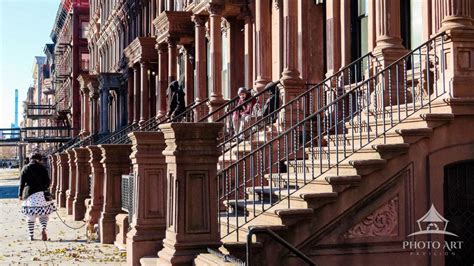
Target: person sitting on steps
<point x="242" y="115"/>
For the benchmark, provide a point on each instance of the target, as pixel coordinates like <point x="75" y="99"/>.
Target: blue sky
<point x="25" y="26"/>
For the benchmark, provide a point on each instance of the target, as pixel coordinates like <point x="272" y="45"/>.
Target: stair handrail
<point x="153" y="123"/>
<point x="317" y="115"/>
<point x="227" y="144"/>
<point x="276" y="237"/>
<point x="117" y="134"/>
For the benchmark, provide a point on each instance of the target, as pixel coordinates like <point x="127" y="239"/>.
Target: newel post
<point x="191" y="217"/>
<point x="148" y="223"/>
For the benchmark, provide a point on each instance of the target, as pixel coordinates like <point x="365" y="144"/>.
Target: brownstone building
<point x="365" y="159"/>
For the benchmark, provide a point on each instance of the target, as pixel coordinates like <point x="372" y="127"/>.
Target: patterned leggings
<point x="31" y="223"/>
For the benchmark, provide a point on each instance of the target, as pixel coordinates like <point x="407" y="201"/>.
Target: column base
<point x="92" y="215"/>
<point x="139" y="246"/>
<point x="79" y="207"/>
<point x="61" y="199"/>
<point x="214" y="104"/>
<point x="176" y="254"/>
<point x="121" y="223"/>
<point x="69" y="202"/>
<point x="107" y="228"/>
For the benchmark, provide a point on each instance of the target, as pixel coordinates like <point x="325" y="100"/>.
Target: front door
<point x="459" y="210"/>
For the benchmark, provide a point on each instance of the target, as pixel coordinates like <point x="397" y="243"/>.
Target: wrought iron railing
<point x="114" y="137"/>
<point x="127" y="195"/>
<point x="152" y="124"/>
<point x="321" y="128"/>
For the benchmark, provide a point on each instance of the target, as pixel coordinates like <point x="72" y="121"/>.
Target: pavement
<point x="65" y="246"/>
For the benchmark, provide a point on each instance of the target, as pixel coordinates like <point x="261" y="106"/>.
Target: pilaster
<point x="63" y="179"/>
<point x="201" y="59"/>
<point x="97" y="186"/>
<point x="116" y="162"/>
<point x="71" y="192"/>
<point x="145" y="91"/>
<point x="192" y="225"/>
<point x="162" y="79"/>
<point x="148" y="222"/>
<point x="53" y="162"/>
<point x="263" y="49"/>
<point x="215" y="18"/>
<point x="83" y="171"/>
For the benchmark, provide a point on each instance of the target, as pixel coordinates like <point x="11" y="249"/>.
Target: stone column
<point x="97" y="188"/>
<point x="201" y="65"/>
<point x="388" y="49"/>
<point x="388" y="43"/>
<point x="104" y="109"/>
<point x="149" y="212"/>
<point x="131" y="102"/>
<point x="145" y="92"/>
<point x="71" y="192"/>
<point x="456" y="14"/>
<point x="116" y="162"/>
<point x="189" y="74"/>
<point x="83" y="171"/>
<point x="263" y="48"/>
<point x="53" y="164"/>
<point x="63" y="179"/>
<point x="172" y="57"/>
<point x="215" y="15"/>
<point x="94" y="110"/>
<point x="192" y="209"/>
<point x="248" y="49"/>
<point x="136" y="93"/>
<point x="162" y="79"/>
<point x="290" y="75"/>
<point x="458" y="23"/>
<point x="333" y="38"/>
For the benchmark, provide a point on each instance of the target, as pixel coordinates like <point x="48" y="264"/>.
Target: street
<point x="65" y="246"/>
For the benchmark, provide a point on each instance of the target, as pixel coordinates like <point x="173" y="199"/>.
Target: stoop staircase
<point x="289" y="183"/>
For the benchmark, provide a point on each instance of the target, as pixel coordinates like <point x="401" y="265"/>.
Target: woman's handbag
<point x="48" y="196"/>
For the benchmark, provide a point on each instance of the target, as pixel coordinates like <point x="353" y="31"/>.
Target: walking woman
<point x="34" y="183"/>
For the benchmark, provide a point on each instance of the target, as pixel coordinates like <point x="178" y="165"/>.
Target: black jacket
<point x="176" y="99"/>
<point x="33" y="178"/>
<point x="273" y="102"/>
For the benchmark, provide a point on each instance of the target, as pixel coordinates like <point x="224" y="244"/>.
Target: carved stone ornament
<point x="382" y="222"/>
<point x="277" y="4"/>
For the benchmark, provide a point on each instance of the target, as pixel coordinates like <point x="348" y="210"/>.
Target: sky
<point x="25" y="27"/>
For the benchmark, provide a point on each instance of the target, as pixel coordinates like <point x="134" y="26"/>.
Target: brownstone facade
<point x="359" y="210"/>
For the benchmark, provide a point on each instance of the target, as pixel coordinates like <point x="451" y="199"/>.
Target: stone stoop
<point x="314" y="198"/>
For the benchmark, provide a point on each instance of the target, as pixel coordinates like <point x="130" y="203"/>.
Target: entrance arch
<point x="459" y="210"/>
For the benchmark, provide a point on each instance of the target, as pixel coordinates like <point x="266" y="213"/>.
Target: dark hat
<point x="36" y="156"/>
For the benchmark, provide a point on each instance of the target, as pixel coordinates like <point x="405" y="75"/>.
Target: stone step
<point x="361" y="167"/>
<point x="375" y="151"/>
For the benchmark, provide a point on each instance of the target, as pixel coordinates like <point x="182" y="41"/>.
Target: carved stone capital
<point x="199" y="20"/>
<point x="215" y="9"/>
<point x="162" y="48"/>
<point x="172" y="41"/>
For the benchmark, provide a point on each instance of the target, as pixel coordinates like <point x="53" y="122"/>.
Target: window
<point x="84" y="63"/>
<point x="84" y="29"/>
<point x="359" y="34"/>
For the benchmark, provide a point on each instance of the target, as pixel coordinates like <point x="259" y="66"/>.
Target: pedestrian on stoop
<point x="242" y="114"/>
<point x="176" y="100"/>
<point x="34" y="191"/>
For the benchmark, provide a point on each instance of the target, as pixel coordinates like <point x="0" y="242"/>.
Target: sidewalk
<point x="65" y="247"/>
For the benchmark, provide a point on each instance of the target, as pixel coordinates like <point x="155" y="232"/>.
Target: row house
<point x="365" y="143"/>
